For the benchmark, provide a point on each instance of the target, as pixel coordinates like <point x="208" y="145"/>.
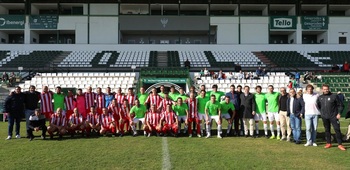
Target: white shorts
<point x="274" y="116"/>
<point x="183" y="118"/>
<point x="226" y="116"/>
<point x="201" y="116"/>
<point x="216" y="118"/>
<point x="261" y="117"/>
<point x="136" y="120"/>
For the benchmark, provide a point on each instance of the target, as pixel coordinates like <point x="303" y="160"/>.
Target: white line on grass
<point x="166" y="157"/>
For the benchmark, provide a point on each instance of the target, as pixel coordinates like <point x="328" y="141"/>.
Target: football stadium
<point x="174" y="84"/>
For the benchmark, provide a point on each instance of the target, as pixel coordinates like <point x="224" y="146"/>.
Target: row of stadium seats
<point x="243" y="58"/>
<point x="277" y="79"/>
<point x="199" y="59"/>
<point x="196" y="58"/>
<point x="336" y="81"/>
<point x="82" y="80"/>
<point x="32" y="59"/>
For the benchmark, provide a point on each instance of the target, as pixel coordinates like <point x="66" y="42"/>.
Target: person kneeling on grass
<point x="36" y="123"/>
<point x="170" y="121"/>
<point x="107" y="122"/>
<point x="137" y="114"/>
<point x="213" y="111"/>
<point x="153" y="123"/>
<point x="57" y="124"/>
<point x="76" y="123"/>
<point x="227" y="108"/>
<point x="92" y="122"/>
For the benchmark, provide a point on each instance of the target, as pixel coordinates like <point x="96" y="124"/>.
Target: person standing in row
<point x="14" y="107"/>
<point x="330" y="107"/>
<point x="295" y="110"/>
<point x="311" y="115"/>
<point x="284" y="116"/>
<point x="247" y="110"/>
<point x="272" y="109"/>
<point x="31" y="101"/>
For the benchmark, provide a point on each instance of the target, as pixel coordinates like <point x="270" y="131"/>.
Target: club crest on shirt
<point x="329" y="98"/>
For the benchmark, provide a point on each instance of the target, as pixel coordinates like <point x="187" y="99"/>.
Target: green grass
<point x="185" y="153"/>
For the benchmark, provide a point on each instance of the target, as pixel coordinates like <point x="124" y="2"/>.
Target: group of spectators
<point x="10" y="79"/>
<point x="345" y="67"/>
<point x="240" y="75"/>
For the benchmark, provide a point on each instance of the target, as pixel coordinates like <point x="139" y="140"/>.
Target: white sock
<point x="208" y="129"/>
<point x="185" y="128"/>
<point x="144" y="132"/>
<point x="278" y="130"/>
<point x="219" y="130"/>
<point x="272" y="131"/>
<point x="229" y="128"/>
<point x="265" y="129"/>
<point x="133" y="128"/>
<point x="257" y="128"/>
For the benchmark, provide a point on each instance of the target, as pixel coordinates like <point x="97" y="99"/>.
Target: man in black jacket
<point x="247" y="110"/>
<point x="36" y="123"/>
<point x="330" y="107"/>
<point x="14" y="107"/>
<point x="31" y="101"/>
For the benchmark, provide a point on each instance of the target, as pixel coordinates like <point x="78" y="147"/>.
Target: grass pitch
<point x="183" y="152"/>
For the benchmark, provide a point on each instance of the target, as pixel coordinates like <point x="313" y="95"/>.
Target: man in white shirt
<point x="311" y="115"/>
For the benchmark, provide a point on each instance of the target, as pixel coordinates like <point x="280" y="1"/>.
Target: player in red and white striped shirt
<point x="193" y="117"/>
<point x="154" y="98"/>
<point x="76" y="123"/>
<point x="46" y="102"/>
<point x="131" y="97"/>
<point x="124" y="114"/>
<point x="92" y="122"/>
<point x="119" y="97"/>
<point x="57" y="124"/>
<point x="113" y="108"/>
<point x="69" y="103"/>
<point x="100" y="100"/>
<point x="90" y="98"/>
<point x="170" y="121"/>
<point x="153" y="123"/>
<point x="166" y="101"/>
<point x="107" y="122"/>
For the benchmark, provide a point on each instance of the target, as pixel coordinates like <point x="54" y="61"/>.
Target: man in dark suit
<point x="247" y="110"/>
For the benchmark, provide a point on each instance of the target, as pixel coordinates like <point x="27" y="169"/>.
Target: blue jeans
<point x="11" y="122"/>
<point x="27" y="113"/>
<point x="295" y="124"/>
<point x="311" y="122"/>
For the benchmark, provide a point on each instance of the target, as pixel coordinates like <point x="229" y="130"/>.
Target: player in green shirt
<point x="182" y="94"/>
<point x="161" y="93"/>
<point x="173" y="94"/>
<point x="181" y="110"/>
<point x="213" y="111"/>
<point x="142" y="96"/>
<point x="137" y="114"/>
<point x="272" y="110"/>
<point x="202" y="101"/>
<point x="207" y="93"/>
<point x="58" y="99"/>
<point x="260" y="101"/>
<point x="216" y="93"/>
<point x="227" y="108"/>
